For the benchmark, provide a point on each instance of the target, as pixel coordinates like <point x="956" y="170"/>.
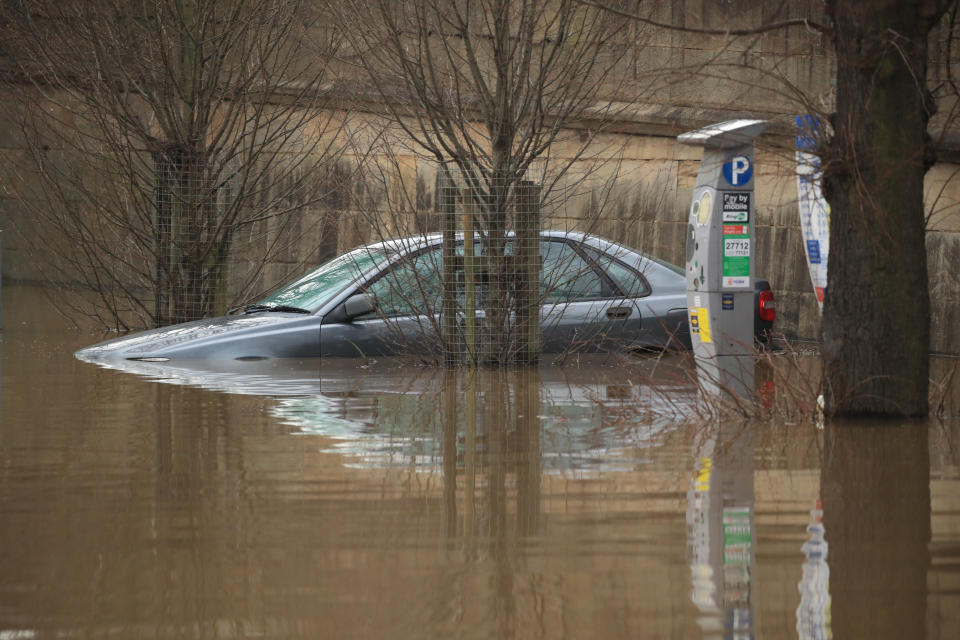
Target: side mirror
<point x="352" y="307"/>
<point x="358" y="304"/>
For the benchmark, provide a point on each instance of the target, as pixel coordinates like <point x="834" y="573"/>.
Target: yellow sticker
<point x="703" y="476"/>
<point x="704" y="321"/>
<point x="705" y="205"/>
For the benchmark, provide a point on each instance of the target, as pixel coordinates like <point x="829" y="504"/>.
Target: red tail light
<point x="768" y="307"/>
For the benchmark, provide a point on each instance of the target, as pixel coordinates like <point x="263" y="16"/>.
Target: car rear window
<point x="668" y="265"/>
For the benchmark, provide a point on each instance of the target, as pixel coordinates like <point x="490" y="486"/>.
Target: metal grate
<point x="491" y="268"/>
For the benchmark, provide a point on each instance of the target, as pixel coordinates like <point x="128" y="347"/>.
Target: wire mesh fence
<point x="491" y="268"/>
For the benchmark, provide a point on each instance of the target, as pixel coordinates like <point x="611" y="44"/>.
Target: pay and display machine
<point x="720" y="255"/>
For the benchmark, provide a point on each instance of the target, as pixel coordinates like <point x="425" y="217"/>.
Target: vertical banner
<point x="814" y="209"/>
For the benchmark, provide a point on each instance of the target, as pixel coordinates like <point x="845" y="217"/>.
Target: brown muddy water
<point x="388" y="500"/>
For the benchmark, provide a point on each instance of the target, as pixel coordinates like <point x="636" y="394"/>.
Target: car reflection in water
<point x="492" y="434"/>
<point x="586" y="416"/>
<point x="390" y="411"/>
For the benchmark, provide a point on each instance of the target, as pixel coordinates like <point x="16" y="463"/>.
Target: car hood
<point x="164" y="341"/>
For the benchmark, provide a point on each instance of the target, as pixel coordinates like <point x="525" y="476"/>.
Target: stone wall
<point x="647" y="210"/>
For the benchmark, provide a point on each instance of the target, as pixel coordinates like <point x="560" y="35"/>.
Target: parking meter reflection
<point x="720" y="254"/>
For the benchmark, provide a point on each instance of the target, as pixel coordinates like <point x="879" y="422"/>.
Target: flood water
<point x="391" y="500"/>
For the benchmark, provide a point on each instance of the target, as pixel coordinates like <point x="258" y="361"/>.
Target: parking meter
<point x="720" y="255"/>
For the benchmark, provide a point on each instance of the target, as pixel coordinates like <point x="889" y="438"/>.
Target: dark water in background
<point x="367" y="500"/>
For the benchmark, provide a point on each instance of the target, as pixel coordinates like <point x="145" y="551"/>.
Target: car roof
<point x="412" y="243"/>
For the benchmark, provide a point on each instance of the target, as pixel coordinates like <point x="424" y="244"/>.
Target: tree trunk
<point x="188" y="298"/>
<point x="219" y="273"/>
<point x="876" y="317"/>
<point x="165" y="164"/>
<point x="191" y="252"/>
<point x="497" y="307"/>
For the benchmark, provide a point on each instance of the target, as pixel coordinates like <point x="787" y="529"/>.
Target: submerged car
<point x="385" y="299"/>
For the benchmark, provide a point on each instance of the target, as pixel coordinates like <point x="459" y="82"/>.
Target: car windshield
<point x="313" y="290"/>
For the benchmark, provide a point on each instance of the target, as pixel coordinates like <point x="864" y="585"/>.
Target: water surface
<point x="387" y="499"/>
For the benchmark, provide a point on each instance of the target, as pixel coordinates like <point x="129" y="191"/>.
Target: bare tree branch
<point x="773" y="26"/>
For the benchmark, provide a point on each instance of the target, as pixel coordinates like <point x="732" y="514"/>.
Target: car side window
<point x="411" y="287"/>
<point x="631" y="282"/>
<point x="567" y="277"/>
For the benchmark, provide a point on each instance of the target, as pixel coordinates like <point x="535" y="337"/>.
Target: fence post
<point x="527" y="294"/>
<point x="469" y="277"/>
<point x="447" y="208"/>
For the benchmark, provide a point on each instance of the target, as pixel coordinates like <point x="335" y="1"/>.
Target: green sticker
<point x="736" y="257"/>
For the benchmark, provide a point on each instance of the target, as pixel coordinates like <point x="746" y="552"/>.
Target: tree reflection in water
<point x="875" y="488"/>
<point x="504" y="459"/>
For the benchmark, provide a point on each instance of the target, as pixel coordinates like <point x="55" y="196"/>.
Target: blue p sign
<point x="738" y="170"/>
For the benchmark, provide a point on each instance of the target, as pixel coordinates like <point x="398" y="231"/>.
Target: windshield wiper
<point x="285" y="308"/>
<point x="281" y="308"/>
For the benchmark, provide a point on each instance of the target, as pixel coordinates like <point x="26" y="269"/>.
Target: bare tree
<point x="484" y="88"/>
<point x="164" y="132"/>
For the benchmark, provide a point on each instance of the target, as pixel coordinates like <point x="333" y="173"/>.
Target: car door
<point x="405" y="321"/>
<point x="662" y="312"/>
<point x="584" y="309"/>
